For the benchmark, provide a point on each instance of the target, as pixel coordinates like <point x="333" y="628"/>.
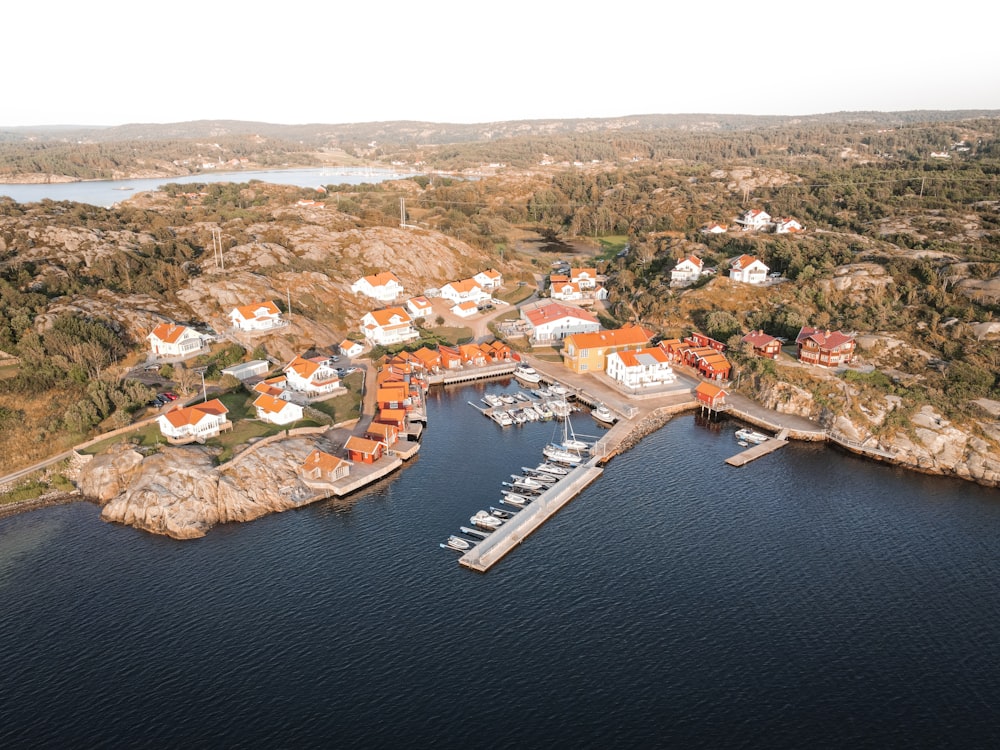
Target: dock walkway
<point x="756" y="451"/>
<point x="491" y="550"/>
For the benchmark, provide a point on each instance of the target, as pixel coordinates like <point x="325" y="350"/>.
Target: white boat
<point x="522" y="396"/>
<point x="751" y="436"/>
<point x="501" y="513"/>
<point x="527" y="374"/>
<point x="539" y="476"/>
<point x="507" y="398"/>
<point x="530" y="414"/>
<point x="456" y="542"/>
<point x="559" y="471"/>
<point x="492" y="400"/>
<point x="603" y="414"/>
<point x="543" y="393"/>
<point x="526" y="483"/>
<point x="518" y="417"/>
<point x="559" y="407"/>
<point x="557" y="389"/>
<point x="502" y="418"/>
<point x="516" y="499"/>
<point x="560" y="455"/>
<point x="484" y="520"/>
<point x="543" y="411"/>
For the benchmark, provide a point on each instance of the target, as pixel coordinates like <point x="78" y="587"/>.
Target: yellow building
<point x="588" y="352"/>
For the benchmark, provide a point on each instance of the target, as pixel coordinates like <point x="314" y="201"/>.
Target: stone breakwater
<point x="647" y="425"/>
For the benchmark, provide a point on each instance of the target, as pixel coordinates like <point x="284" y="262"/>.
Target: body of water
<point x="808" y="599"/>
<point x="108" y="192"/>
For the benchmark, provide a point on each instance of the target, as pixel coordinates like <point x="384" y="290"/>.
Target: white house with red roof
<point x="311" y="376"/>
<point x="466" y="290"/>
<point x="195" y="423"/>
<point x="755" y="219"/>
<point x="324" y="468"/>
<point x="350" y="348"/>
<point x="489" y="279"/>
<point x="393" y="325"/>
<point x="787" y="225"/>
<point x="419" y="307"/>
<point x="385" y="286"/>
<point x="566" y="291"/>
<point x="687" y="270"/>
<point x="170" y="340"/>
<point x="748" y="270"/>
<point x="641" y="368"/>
<point x="465" y="309"/>
<point x="276" y="410"/>
<point x="585" y="278"/>
<point x="259" y="316"/>
<point x="552" y="321"/>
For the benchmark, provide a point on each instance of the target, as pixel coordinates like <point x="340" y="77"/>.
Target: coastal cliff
<point x="182" y="494"/>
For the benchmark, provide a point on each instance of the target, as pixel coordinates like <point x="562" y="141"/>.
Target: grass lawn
<point x="147" y="437"/>
<point x="611" y="245"/>
<point x="517" y="294"/>
<point x="346" y="406"/>
<point x="453" y="334"/>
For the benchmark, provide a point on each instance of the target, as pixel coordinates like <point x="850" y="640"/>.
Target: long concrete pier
<point x="491" y="550"/>
<point x="756" y="451"/>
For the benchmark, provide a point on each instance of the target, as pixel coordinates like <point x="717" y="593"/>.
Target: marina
<point x="758" y="449"/>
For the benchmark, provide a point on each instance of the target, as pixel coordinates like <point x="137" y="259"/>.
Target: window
<point x="583" y="367"/>
<point x="584" y="352"/>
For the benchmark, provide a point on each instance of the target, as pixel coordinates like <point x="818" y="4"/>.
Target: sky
<point x="114" y="62"/>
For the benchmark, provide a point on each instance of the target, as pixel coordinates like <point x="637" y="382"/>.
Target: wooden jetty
<point x="761" y="449"/>
<point x="492" y="549"/>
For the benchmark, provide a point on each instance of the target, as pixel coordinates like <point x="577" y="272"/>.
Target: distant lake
<point x="108" y="192"/>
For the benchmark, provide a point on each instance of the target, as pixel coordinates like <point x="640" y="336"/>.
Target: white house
<point x="351" y="348"/>
<point x="748" y="270"/>
<point x="465" y="309"/>
<point x="323" y="467"/>
<point x="553" y="321"/>
<point x="687" y="270"/>
<point x="755" y="218"/>
<point x="198" y="422"/>
<point x="276" y="410"/>
<point x="489" y="279"/>
<point x="642" y="368"/>
<point x="384" y="286"/>
<point x="566" y="291"/>
<point x="311" y="376"/>
<point x="260" y="316"/>
<point x="169" y="340"/>
<point x="585" y="278"/>
<point x="715" y="228"/>
<point x="466" y="290"/>
<point x="419" y="307"/>
<point x="787" y="225"/>
<point x="392" y="325"/>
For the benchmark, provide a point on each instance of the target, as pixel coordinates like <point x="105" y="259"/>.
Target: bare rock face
<point x="181" y="493"/>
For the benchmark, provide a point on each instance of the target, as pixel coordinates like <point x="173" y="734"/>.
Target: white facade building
<point x="642" y="368"/>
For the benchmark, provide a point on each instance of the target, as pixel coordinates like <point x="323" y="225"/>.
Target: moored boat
<point x="456" y="542"/>
<point x="603" y="414"/>
<point x="484" y="520"/>
<point x="539" y="476"/>
<point x="548" y="468"/>
<point x="557" y="453"/>
<point x="527" y="374"/>
<point x="751" y="436"/>
<point x="516" y="499"/>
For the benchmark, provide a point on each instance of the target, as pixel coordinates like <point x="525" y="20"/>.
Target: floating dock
<point x="491" y="550"/>
<point x="756" y="451"/>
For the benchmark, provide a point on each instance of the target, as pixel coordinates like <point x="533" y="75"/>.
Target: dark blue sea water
<point x="808" y="599"/>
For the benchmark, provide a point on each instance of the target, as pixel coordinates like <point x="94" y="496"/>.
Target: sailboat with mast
<point x="570" y="450"/>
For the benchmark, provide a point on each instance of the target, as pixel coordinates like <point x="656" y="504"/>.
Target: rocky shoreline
<point x="47" y="500"/>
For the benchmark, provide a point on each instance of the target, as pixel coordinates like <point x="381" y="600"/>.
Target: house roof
<point x="304" y="368"/>
<point x="825" y="338"/>
<point x="464" y="286"/>
<point x="347" y="344"/>
<point x="169" y="333"/>
<point x="380" y="429"/>
<point x="694" y="260"/>
<point x="627" y="336"/>
<point x="467" y="305"/>
<point x="361" y="445"/>
<point x="491" y="273"/>
<point x="554" y="311"/>
<point x="419" y="301"/>
<point x="576" y="273"/>
<point x="323" y="461"/>
<point x="743" y="262"/>
<point x="181" y="416"/>
<point x="383" y="279"/>
<point x="643" y="357"/>
<point x="384" y="317"/>
<point x="397" y="415"/>
<point x="710" y="390"/>
<point x="758" y="339"/>
<point x="249" y="312"/>
<point x="271" y="404"/>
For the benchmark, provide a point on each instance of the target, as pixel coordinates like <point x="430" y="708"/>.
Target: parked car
<point x="160" y="400"/>
<point x="170" y="396"/>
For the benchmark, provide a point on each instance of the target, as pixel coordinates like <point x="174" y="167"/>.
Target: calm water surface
<point x="809" y="599"/>
<point x="108" y="192"/>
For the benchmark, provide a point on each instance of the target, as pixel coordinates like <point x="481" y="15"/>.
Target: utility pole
<point x="288" y="297"/>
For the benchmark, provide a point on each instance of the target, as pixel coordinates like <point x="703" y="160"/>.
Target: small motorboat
<point x="508" y="398"/>
<point x="603" y="414"/>
<point x="502" y="418"/>
<point x="492" y="400"/>
<point x="527" y="491"/>
<point x="540" y="476"/>
<point x="543" y="393"/>
<point x="501" y="513"/>
<point x="559" y="407"/>
<point x="529" y="414"/>
<point x="515" y="499"/>
<point x="543" y="411"/>
<point x="751" y="436"/>
<point x="484" y="520"/>
<point x="556" y="389"/>
<point x="517" y="417"/>
<point x="522" y="396"/>
<point x="456" y="542"/>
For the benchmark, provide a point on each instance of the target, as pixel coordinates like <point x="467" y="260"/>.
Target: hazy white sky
<point x="116" y="62"/>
